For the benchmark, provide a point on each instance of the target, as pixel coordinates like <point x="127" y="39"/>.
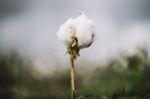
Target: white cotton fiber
<point x="81" y="27"/>
<point x="85" y="31"/>
<point x="66" y="31"/>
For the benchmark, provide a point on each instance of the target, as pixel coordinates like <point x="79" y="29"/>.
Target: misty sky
<point x="30" y="26"/>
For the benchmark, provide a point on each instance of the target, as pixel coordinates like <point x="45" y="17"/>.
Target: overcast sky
<point x="30" y="27"/>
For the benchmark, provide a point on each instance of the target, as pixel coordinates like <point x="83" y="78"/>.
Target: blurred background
<point x="33" y="64"/>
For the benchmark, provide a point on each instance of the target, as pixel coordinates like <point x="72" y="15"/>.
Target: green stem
<point x="72" y="74"/>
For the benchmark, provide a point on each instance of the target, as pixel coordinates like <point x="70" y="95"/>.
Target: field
<point x="127" y="77"/>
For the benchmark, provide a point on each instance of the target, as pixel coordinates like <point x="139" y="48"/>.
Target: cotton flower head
<point x="79" y="31"/>
<point x="81" y="27"/>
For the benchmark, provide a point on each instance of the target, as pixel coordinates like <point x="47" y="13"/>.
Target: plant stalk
<point x="72" y="75"/>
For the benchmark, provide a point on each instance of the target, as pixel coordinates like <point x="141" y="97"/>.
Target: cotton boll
<point x="82" y="28"/>
<point x="85" y="31"/>
<point x="66" y="31"/>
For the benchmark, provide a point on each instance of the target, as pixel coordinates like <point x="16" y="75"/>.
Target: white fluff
<point x="81" y="27"/>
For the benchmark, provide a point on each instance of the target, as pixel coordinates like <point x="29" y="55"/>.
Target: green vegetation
<point x="127" y="77"/>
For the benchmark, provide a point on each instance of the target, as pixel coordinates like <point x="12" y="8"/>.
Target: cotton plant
<point x="76" y="33"/>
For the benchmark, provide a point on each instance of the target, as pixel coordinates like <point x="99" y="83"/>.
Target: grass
<point x="18" y="82"/>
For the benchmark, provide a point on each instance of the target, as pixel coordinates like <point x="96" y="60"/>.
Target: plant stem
<point x="72" y="74"/>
